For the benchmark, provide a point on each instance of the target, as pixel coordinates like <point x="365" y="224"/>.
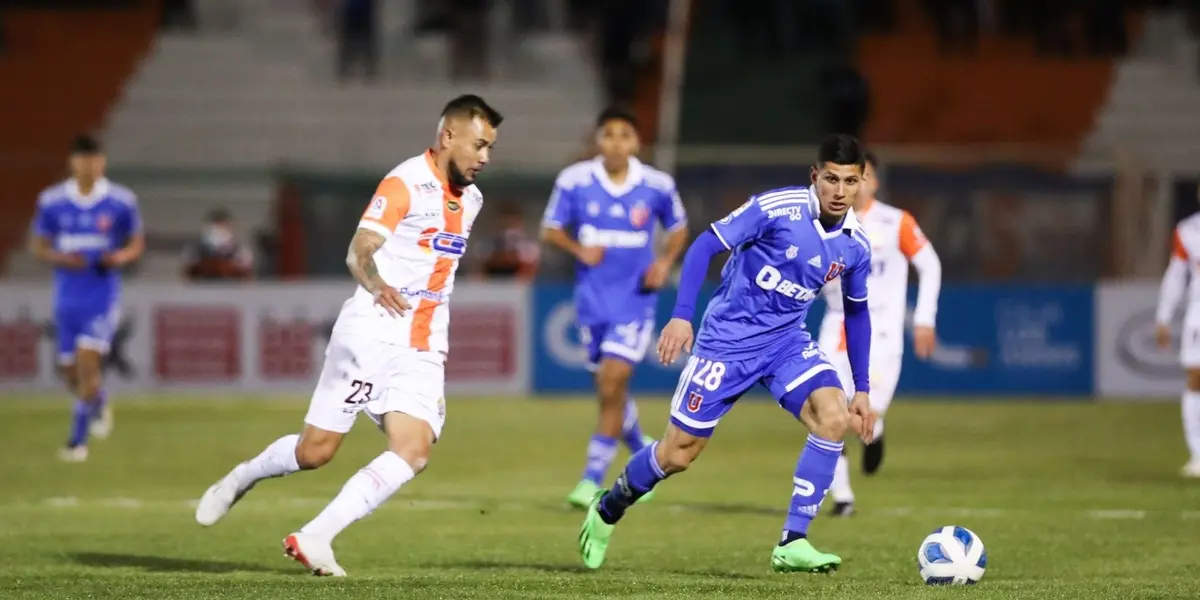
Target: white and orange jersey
<point x="896" y="240"/>
<point x="426" y="223"/>
<point x="1184" y="265"/>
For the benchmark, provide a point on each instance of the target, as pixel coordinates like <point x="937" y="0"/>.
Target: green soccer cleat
<point x="581" y="497"/>
<point x="800" y="557"/>
<point x="594" y="535"/>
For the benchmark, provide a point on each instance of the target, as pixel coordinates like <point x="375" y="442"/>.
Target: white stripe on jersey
<point x="776" y="199"/>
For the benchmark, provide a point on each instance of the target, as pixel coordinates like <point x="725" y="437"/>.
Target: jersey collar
<point x="99" y="191"/>
<point x="850" y="222"/>
<point x="632" y="179"/>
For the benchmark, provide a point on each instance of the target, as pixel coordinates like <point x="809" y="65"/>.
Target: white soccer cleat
<point x="1191" y="469"/>
<point x="77" y="454"/>
<point x="218" y="499"/>
<point x="102" y="426"/>
<point x="316" y="555"/>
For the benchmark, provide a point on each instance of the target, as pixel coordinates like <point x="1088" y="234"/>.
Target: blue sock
<point x="601" y="452"/>
<point x="631" y="430"/>
<point x="98" y="403"/>
<point x="80" y="419"/>
<point x="814" y="475"/>
<point x="639" y="477"/>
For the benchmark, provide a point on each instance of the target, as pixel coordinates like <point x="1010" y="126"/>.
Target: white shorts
<point x="1189" y="345"/>
<point x="364" y="374"/>
<point x="885" y="375"/>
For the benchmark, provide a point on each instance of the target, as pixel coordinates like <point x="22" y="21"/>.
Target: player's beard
<point x="457" y="178"/>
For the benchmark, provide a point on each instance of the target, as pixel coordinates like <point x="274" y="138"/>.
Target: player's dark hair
<point x="616" y="113"/>
<point x="85" y="144"/>
<point x="219" y="214"/>
<point x="841" y="149"/>
<point x="472" y="106"/>
<point x="872" y="159"/>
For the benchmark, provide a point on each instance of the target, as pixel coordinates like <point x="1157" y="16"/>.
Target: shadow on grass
<point x="166" y="564"/>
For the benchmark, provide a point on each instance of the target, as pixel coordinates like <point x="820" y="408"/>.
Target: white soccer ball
<point x="952" y="555"/>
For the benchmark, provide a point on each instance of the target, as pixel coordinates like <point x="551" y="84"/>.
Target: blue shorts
<point x="626" y="341"/>
<point x="86" y="328"/>
<point x="707" y="389"/>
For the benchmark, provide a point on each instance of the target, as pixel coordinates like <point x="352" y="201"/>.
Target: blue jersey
<point x="781" y="258"/>
<point x="93" y="226"/>
<point x="619" y="218"/>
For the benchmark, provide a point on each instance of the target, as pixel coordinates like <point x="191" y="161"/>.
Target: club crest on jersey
<point x="442" y="243"/>
<point x="792" y="252"/>
<point x="639" y="215"/>
<point x="453" y="205"/>
<point x="694" y="401"/>
<point x="835" y="270"/>
<point x="103" y="222"/>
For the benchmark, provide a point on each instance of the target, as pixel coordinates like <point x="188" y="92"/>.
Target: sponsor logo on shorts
<point x="423" y="294"/>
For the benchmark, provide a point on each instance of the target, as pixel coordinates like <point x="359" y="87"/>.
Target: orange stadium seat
<point x="63" y="70"/>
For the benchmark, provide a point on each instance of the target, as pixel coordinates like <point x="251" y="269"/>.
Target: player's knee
<point x="413" y="452"/>
<point x="826" y="415"/>
<point x="612" y="380"/>
<point x="314" y="452"/>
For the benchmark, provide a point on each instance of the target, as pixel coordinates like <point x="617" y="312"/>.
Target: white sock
<point x="277" y="460"/>
<point x="840" y="490"/>
<point x="1191" y="422"/>
<point x="363" y="493"/>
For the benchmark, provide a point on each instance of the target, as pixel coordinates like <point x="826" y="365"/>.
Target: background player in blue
<point x="786" y="244"/>
<point x="87" y="228"/>
<point x="603" y="212"/>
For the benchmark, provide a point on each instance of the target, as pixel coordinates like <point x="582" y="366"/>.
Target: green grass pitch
<point x="1073" y="500"/>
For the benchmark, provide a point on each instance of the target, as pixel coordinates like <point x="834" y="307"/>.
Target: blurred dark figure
<point x="469" y="31"/>
<point x="1104" y="27"/>
<point x="875" y="16"/>
<point x="625" y="31"/>
<point x="358" y="38"/>
<point x="218" y="254"/>
<point x="847" y="99"/>
<point x="956" y="23"/>
<point x="512" y="253"/>
<point x="1051" y="28"/>
<point x="178" y="15"/>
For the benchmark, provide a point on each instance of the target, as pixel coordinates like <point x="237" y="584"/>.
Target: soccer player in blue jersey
<point x="786" y="244"/>
<point x="603" y="212"/>
<point x="87" y="228"/>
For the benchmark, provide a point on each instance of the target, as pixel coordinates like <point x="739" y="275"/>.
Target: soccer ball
<point x="952" y="555"/>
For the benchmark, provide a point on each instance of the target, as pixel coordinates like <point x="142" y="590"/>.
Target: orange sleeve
<point x="912" y="239"/>
<point x="389" y="205"/>
<point x="1177" y="249"/>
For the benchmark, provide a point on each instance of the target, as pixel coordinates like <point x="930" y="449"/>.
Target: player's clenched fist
<point x="676" y="336"/>
<point x="862" y="418"/>
<point x="391" y="300"/>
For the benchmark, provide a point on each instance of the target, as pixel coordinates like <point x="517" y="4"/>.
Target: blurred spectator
<point x="1104" y="26"/>
<point x="625" y="31"/>
<point x="358" y="38"/>
<point x="469" y="28"/>
<point x="511" y="252"/>
<point x="957" y="24"/>
<point x="178" y="15"/>
<point x="847" y="99"/>
<point x="218" y="254"/>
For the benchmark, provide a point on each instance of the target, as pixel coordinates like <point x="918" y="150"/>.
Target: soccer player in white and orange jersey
<point x="896" y="242"/>
<point x="1185" y="264"/>
<point x="386" y="354"/>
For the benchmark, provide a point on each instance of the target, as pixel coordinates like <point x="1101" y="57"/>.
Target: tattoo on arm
<point x="361" y="259"/>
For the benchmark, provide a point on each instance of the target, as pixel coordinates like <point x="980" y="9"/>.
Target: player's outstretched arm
<point x="677" y="335"/>
<point x="361" y="262"/>
<point x="929" y="286"/>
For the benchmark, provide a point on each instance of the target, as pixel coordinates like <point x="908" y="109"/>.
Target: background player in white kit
<point x="896" y="241"/>
<point x="389" y="343"/>
<point x="1185" y="260"/>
